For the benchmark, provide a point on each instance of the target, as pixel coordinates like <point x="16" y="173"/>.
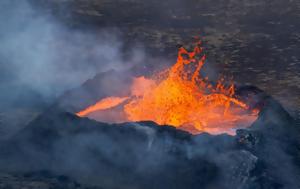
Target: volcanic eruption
<point x="182" y="97"/>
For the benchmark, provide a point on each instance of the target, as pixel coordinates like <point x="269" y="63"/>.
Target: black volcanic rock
<point x="38" y="180"/>
<point x="131" y="154"/>
<point x="145" y="155"/>
<point x="103" y="84"/>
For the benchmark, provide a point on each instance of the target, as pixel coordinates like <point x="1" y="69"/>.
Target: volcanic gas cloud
<point x="181" y="97"/>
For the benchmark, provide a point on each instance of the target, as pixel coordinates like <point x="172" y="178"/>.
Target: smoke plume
<point x="40" y="55"/>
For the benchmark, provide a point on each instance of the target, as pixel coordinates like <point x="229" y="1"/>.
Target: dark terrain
<point x="257" y="42"/>
<point x="58" y="147"/>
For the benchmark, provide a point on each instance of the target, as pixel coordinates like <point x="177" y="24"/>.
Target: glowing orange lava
<point x="103" y="104"/>
<point x="181" y="97"/>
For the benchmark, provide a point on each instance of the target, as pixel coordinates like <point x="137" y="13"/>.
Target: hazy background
<point x="40" y="58"/>
<point x="38" y="55"/>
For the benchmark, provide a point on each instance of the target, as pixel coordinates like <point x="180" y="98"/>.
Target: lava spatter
<point x="181" y="97"/>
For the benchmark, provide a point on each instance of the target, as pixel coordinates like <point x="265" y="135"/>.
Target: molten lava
<point x="181" y="97"/>
<point x="103" y="104"/>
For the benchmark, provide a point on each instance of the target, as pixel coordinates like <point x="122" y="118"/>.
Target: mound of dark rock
<point x="146" y="155"/>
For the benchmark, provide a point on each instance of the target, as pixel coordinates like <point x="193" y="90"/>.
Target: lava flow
<point x="181" y="97"/>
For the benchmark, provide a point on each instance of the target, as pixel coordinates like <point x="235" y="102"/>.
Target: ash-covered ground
<point x="257" y="42"/>
<point x="54" y="54"/>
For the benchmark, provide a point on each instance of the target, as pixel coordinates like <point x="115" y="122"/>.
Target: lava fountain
<point x="181" y="97"/>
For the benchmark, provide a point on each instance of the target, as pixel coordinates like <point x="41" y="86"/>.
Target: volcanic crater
<point x="176" y="128"/>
